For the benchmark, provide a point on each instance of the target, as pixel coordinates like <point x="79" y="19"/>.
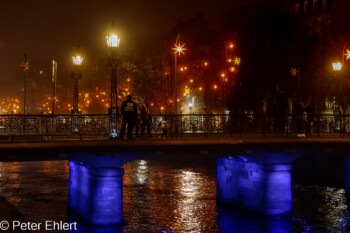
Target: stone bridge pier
<point x="260" y="183"/>
<point x="96" y="186"/>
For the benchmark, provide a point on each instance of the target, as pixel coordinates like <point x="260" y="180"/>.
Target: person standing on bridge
<point x="129" y="112"/>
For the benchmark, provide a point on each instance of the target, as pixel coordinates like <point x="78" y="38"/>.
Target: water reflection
<point x="163" y="196"/>
<point x="231" y="220"/>
<point x="141" y="172"/>
<point x="323" y="209"/>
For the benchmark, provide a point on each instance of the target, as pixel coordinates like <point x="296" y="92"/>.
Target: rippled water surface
<point x="170" y="194"/>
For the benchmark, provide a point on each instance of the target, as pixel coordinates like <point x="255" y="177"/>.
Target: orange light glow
<point x="179" y="48"/>
<point x="237" y="61"/>
<point x="293" y="71"/>
<point x="347" y="54"/>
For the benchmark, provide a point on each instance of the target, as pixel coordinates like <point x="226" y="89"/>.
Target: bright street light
<point x="77" y="60"/>
<point x="113" y="62"/>
<point x="113" y="41"/>
<point x="337" y="66"/>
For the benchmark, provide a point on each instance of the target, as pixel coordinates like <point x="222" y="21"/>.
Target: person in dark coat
<point x="310" y="117"/>
<point x="129" y="112"/>
<point x="146" y="119"/>
<point x="300" y="113"/>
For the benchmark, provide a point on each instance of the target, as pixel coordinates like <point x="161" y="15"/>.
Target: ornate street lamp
<point x="113" y="62"/>
<point x="76" y="76"/>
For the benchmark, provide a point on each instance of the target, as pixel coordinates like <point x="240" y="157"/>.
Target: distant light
<point x="78" y="60"/>
<point x="200" y="88"/>
<point x="113" y="41"/>
<point x="231" y="46"/>
<point x="191" y="81"/>
<point x="237" y="61"/>
<point x="223" y="75"/>
<point x="293" y="71"/>
<point x="205" y="63"/>
<point x="337" y="66"/>
<point x="41" y="72"/>
<point x="232" y="69"/>
<point x="215" y="86"/>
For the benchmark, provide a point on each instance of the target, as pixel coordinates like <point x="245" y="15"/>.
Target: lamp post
<point x="178" y="50"/>
<point x="223" y="77"/>
<point x="113" y="62"/>
<point x="347" y="54"/>
<point x="190" y="105"/>
<point x="76" y="76"/>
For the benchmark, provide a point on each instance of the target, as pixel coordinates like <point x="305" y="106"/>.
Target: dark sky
<point x="50" y="29"/>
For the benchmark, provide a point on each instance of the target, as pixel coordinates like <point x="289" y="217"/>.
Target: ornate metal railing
<point x="174" y="126"/>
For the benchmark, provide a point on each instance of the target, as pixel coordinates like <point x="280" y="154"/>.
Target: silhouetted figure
<point x="310" y="117"/>
<point x="146" y="120"/>
<point x="164" y="127"/>
<point x="129" y="112"/>
<point x="300" y="115"/>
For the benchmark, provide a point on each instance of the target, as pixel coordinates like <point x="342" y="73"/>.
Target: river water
<point x="175" y="194"/>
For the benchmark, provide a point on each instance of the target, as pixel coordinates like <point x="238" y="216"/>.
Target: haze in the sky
<point x="50" y="29"/>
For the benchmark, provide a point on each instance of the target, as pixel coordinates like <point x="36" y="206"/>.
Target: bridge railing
<point x="175" y="126"/>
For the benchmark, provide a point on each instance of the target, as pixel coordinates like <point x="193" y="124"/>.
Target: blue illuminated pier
<point x="255" y="185"/>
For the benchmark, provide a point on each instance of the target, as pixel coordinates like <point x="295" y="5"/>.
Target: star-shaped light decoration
<point x="237" y="61"/>
<point x="347" y="54"/>
<point x="25" y="66"/>
<point x="293" y="71"/>
<point x="179" y="48"/>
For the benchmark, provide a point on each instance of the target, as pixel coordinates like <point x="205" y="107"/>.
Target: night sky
<point x="51" y="29"/>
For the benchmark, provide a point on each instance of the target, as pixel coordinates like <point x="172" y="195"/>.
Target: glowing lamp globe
<point x="113" y="41"/>
<point x="77" y="60"/>
<point x="337" y="66"/>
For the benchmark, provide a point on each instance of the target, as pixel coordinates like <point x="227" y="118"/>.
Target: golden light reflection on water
<point x="187" y="211"/>
<point x="325" y="208"/>
<point x="161" y="197"/>
<point x="37" y="189"/>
